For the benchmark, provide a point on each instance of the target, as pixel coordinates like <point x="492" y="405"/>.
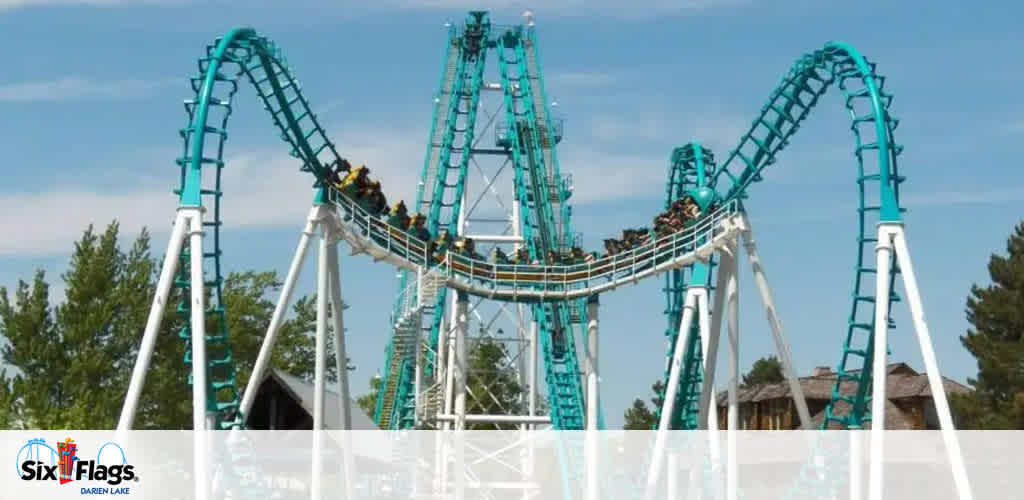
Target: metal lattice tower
<point x="490" y="173"/>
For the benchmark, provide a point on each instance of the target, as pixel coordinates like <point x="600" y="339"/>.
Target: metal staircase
<point x="416" y="301"/>
<point x="439" y="196"/>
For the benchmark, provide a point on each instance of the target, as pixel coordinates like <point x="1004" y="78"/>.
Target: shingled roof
<point x="902" y="382"/>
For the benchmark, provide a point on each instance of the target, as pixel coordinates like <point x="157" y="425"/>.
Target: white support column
<point x="294" y="270"/>
<point x="320" y="364"/>
<point x="711" y="346"/>
<point x="668" y="403"/>
<point x="931" y="364"/>
<point x="532" y="373"/>
<point x="338" y="325"/>
<point x="672" y="475"/>
<point x="417" y="379"/>
<point x="341" y="362"/>
<point x="449" y="374"/>
<point x="732" y="297"/>
<point x="883" y="252"/>
<point x="441" y="364"/>
<point x="198" y="324"/>
<point x="461" y="306"/>
<point x="781" y="346"/>
<point x="460" y="465"/>
<point x="156" y="313"/>
<point x="593" y="398"/>
<point x="695" y="488"/>
<point x="856" y="467"/>
<point x="707" y="416"/>
<point x="591" y="462"/>
<point x="593" y="401"/>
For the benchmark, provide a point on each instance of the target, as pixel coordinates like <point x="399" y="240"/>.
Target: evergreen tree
<point x="491" y="382"/>
<point x="71" y="365"/>
<point x="764" y="371"/>
<point x="639" y="417"/>
<point x="33" y="350"/>
<point x="8" y="403"/>
<point x="85" y="324"/>
<point x="996" y="339"/>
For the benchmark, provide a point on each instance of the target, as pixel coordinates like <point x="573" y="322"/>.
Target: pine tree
<point x="70" y="366"/>
<point x="491" y="382"/>
<point x="764" y="371"/>
<point x="996" y="339"/>
<point x="33" y="350"/>
<point x="8" y="403"/>
<point x="85" y="325"/>
<point x="639" y="417"/>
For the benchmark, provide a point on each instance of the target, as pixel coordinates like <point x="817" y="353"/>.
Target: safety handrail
<point x="556" y="278"/>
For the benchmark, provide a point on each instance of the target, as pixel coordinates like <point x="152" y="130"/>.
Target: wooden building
<point x="909" y="402"/>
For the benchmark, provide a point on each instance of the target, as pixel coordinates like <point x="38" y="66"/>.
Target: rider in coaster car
<point x="415" y="220"/>
<point x="498" y="257"/>
<point x="522" y="257"/>
<point x="558" y="337"/>
<point x="660" y="223"/>
<point x="459" y="247"/>
<point x="380" y="203"/>
<point x="611" y="247"/>
<point x="576" y="255"/>
<point x="443" y="243"/>
<point x="642" y="236"/>
<point x="418" y="229"/>
<point x="399" y="216"/>
<point x="628" y="239"/>
<point x="355" y="181"/>
<point x="551" y="258"/>
<point x="469" y="249"/>
<point x="366" y="197"/>
<point x="341" y="168"/>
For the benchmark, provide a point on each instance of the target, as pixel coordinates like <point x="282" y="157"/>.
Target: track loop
<point x="878" y="181"/>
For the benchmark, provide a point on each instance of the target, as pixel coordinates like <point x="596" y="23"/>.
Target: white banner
<point x="619" y="465"/>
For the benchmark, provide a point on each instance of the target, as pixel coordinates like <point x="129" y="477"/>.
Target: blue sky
<point x="90" y="99"/>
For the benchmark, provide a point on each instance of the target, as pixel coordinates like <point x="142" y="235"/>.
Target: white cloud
<point x="71" y="87"/>
<point x="601" y="177"/>
<point x="263" y="189"/>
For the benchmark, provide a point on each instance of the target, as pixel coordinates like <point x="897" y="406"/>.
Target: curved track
<point x="690" y="168"/>
<point x="244" y="53"/>
<point x="875" y="151"/>
<point x="241" y="53"/>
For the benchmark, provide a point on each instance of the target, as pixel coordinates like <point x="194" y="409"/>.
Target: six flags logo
<point x="69" y="466"/>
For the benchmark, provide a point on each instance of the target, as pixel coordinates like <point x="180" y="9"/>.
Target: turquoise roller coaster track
<point x="532" y="136"/>
<point x="868" y="104"/>
<point x="690" y="167"/>
<point x="530" y="144"/>
<point x="242" y="52"/>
